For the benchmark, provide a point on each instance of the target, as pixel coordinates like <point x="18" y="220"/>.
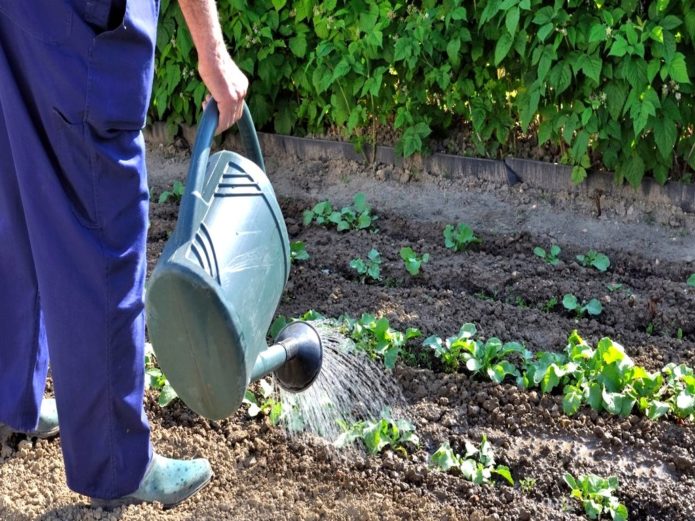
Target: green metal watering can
<point x="216" y="287"/>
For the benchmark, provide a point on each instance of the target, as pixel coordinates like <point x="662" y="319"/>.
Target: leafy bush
<point x="605" y="83"/>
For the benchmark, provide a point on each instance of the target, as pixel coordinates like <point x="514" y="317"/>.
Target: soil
<point x="263" y="473"/>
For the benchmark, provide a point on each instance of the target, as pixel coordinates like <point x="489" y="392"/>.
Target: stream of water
<point x="350" y="387"/>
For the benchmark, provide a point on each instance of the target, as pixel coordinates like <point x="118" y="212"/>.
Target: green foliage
<point x="175" y="194"/>
<point x="264" y="403"/>
<point x="155" y="379"/>
<point x="476" y="465"/>
<point x="357" y="216"/>
<point x="370" y="268"/>
<point x="600" y="261"/>
<point x="413" y="262"/>
<point x="550" y="304"/>
<point x="596" y="495"/>
<point x="691" y="280"/>
<point x="459" y="238"/>
<point x="376" y="435"/>
<point x="489" y="357"/>
<point x="375" y="337"/>
<point x="527" y="485"/>
<point x="281" y="321"/>
<point x="298" y="251"/>
<point x="551" y="257"/>
<point x="593" y="307"/>
<point x="608" y="82"/>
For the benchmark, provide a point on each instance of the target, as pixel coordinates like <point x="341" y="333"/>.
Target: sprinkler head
<point x="304" y="356"/>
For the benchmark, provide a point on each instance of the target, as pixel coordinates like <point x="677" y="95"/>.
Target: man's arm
<point x="225" y="81"/>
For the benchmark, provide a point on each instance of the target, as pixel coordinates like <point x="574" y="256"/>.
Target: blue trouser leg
<point x="73" y="220"/>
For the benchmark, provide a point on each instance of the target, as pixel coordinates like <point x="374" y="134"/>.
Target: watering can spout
<point x="295" y="358"/>
<point x="214" y="292"/>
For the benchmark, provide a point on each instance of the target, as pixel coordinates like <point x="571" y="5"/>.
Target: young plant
<point x="476" y="465"/>
<point x="377" y="338"/>
<point x="175" y="194"/>
<point x="691" y="280"/>
<point x="357" y="216"/>
<point x="413" y="261"/>
<point x="596" y="495"/>
<point x="450" y="351"/>
<point x="551" y="257"/>
<point x="459" y="238"/>
<point x="600" y="261"/>
<point x="376" y="435"/>
<point x="490" y="357"/>
<point x="155" y="379"/>
<point x="298" y="251"/>
<point x="593" y="307"/>
<point x="680" y="389"/>
<point x="527" y="485"/>
<point x="370" y="268"/>
<point x="264" y="403"/>
<point x="550" y="304"/>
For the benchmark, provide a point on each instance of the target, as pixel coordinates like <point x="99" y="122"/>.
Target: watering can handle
<point x="188" y="217"/>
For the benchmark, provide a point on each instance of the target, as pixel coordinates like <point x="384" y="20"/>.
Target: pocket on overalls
<point x="46" y="20"/>
<point x="74" y="171"/>
<point x="121" y="70"/>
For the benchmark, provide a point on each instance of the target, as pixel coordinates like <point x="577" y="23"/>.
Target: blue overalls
<point x="75" y="82"/>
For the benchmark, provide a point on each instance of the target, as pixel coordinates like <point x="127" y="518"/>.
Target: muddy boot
<point x="48" y="422"/>
<point x="166" y="481"/>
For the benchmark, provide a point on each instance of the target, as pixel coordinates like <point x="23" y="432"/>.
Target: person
<point x="75" y="85"/>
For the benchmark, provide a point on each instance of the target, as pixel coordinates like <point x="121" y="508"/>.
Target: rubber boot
<point x="48" y="421"/>
<point x="166" y="481"/>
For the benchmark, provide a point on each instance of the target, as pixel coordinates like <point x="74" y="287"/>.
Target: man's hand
<point x="225" y="81"/>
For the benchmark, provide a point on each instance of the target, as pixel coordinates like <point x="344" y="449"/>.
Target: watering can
<point x="216" y="287"/>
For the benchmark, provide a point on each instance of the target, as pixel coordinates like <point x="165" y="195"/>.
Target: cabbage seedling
<point x="691" y="280"/>
<point x="459" y="238"/>
<point x="357" y="216"/>
<point x="413" y="261"/>
<point x="596" y="495"/>
<point x="298" y="251"/>
<point x="155" y="378"/>
<point x="379" y="434"/>
<point x="551" y="257"/>
<point x="593" y="307"/>
<point x="600" y="261"/>
<point x="175" y="194"/>
<point x="370" y="268"/>
<point x="476" y="465"/>
<point x="264" y="403"/>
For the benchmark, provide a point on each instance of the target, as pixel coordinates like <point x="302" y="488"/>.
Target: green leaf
<point x="633" y="170"/>
<point x="452" y="51"/>
<point x="691" y="280"/>
<point x="592" y="67"/>
<point x="569" y="301"/>
<point x="578" y="174"/>
<point x="279" y="4"/>
<point x="512" y="20"/>
<point x="298" y="45"/>
<point x="597" y="33"/>
<point x="504" y="471"/>
<point x="504" y="44"/>
<point x="572" y="400"/>
<point x="678" y="70"/>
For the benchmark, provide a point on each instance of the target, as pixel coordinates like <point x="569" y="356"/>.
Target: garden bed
<point x="502" y="287"/>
